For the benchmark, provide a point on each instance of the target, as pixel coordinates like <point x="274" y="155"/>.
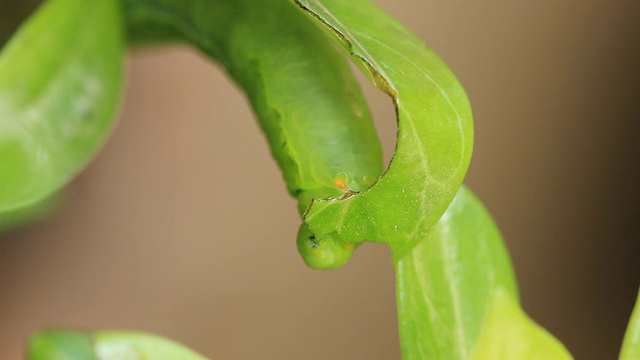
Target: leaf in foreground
<point x="105" y="345"/>
<point x="60" y="79"/>
<point x="457" y="296"/>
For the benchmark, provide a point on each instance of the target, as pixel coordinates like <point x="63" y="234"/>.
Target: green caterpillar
<point x="308" y="103"/>
<point x="313" y="114"/>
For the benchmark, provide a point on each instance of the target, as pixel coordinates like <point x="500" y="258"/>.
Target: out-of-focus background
<point x="182" y="225"/>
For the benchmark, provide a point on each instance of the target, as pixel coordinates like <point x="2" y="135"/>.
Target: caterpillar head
<point x="327" y="253"/>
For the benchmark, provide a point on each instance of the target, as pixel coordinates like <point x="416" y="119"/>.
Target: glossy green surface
<point x="309" y="104"/>
<point x="449" y="284"/>
<point x="447" y="276"/>
<point x="435" y="131"/>
<point x="302" y="91"/>
<point x="322" y="254"/>
<point x="60" y="77"/>
<point x="444" y="285"/>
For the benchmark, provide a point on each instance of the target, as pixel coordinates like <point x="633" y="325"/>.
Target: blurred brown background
<point x="182" y="225"/>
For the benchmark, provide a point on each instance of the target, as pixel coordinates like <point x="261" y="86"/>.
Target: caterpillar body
<point x="301" y="89"/>
<point x="312" y="112"/>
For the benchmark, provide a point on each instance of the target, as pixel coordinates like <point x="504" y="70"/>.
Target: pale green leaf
<point x="457" y="292"/>
<point x="60" y="78"/>
<point x="105" y="345"/>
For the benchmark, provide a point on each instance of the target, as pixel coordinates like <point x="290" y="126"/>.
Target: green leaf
<point x="448" y="285"/>
<point x="60" y="345"/>
<point x="60" y="77"/>
<point x="444" y="284"/>
<point x="111" y="345"/>
<point x="631" y="345"/>
<point x="132" y="345"/>
<point x="435" y="134"/>
<point x="510" y="334"/>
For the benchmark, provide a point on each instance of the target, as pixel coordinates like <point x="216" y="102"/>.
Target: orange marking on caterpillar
<point x="341" y="182"/>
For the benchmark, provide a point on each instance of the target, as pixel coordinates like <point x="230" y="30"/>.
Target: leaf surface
<point x="457" y="296"/>
<point x="104" y="345"/>
<point x="60" y="78"/>
<point x="435" y="132"/>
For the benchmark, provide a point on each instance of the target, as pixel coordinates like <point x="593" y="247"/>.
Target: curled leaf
<point x="435" y="132"/>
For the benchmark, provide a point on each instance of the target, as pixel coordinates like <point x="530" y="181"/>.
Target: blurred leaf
<point x="60" y="78"/>
<point x="110" y="345"/>
<point x="631" y="345"/>
<point x="132" y="345"/>
<point x="60" y="345"/>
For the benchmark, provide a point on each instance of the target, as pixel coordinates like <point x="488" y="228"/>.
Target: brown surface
<point x="182" y="225"/>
